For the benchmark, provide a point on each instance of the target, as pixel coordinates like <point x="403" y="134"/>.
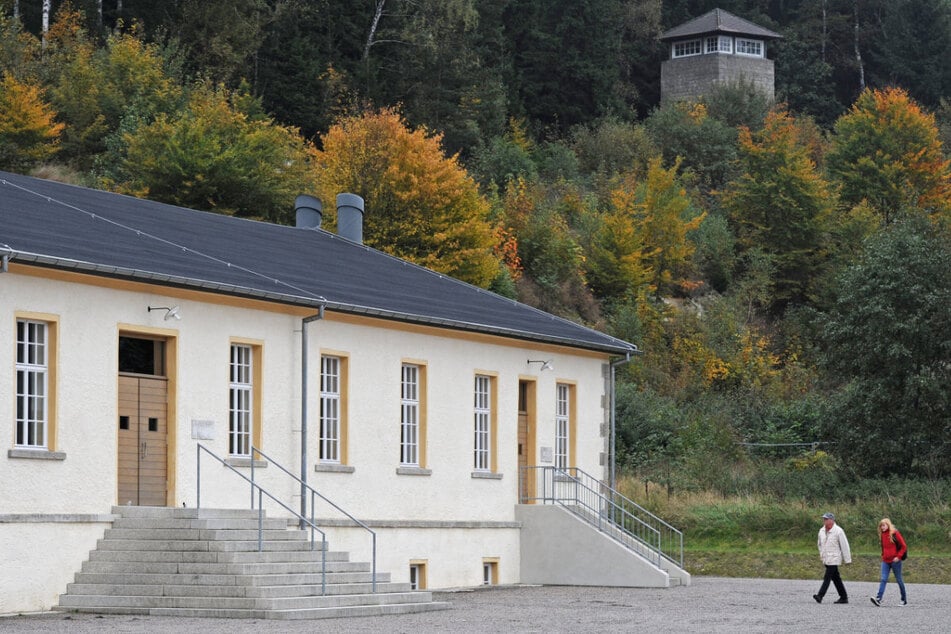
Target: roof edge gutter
<point x="319" y="302"/>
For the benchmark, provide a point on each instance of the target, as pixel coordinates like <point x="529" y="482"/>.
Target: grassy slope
<point x="752" y="537"/>
<point x="786" y="565"/>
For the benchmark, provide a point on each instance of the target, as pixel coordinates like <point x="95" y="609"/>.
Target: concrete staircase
<point x="205" y="563"/>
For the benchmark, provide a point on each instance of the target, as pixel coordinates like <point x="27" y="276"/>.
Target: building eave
<point x="317" y="302"/>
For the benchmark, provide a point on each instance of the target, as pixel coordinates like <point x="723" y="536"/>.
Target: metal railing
<point x="313" y="499"/>
<point x="604" y="508"/>
<point x="261" y="492"/>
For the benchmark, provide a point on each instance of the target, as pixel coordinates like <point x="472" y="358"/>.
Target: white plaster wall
<point x="86" y="397"/>
<point x="39" y="559"/>
<point x="453" y="556"/>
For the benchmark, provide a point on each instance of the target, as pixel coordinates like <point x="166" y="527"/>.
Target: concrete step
<point x="181" y="534"/>
<point x="211" y="557"/>
<point x="207" y="562"/>
<point x="242" y="603"/>
<point x="199" y="523"/>
<point x="165" y="512"/>
<point x="131" y="578"/>
<point x="251" y="568"/>
<point x="234" y="591"/>
<point x="191" y="545"/>
<point x="306" y="614"/>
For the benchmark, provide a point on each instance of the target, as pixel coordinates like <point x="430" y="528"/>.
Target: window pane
<point x="31" y="383"/>
<point x="409" y="417"/>
<point x="562" y="408"/>
<point x="329" y="446"/>
<point x="482" y="419"/>
<point x="240" y="415"/>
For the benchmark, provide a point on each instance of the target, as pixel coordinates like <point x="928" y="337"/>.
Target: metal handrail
<point x="313" y="493"/>
<point x="608" y="510"/>
<point x="262" y="492"/>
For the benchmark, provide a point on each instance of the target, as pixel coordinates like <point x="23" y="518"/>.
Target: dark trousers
<point x="832" y="574"/>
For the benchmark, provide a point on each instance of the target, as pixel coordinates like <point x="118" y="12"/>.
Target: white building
<point x="131" y="331"/>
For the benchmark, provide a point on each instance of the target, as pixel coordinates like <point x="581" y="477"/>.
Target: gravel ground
<point x="708" y="605"/>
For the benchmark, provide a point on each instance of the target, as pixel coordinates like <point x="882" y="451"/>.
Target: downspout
<point x="612" y="475"/>
<point x="303" y="410"/>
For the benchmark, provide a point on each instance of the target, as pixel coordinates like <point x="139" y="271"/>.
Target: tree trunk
<point x="373" y="26"/>
<point x="825" y="27"/>
<point x="855" y="41"/>
<point x="46" y="19"/>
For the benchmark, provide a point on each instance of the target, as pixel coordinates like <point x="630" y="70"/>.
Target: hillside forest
<point x="784" y="267"/>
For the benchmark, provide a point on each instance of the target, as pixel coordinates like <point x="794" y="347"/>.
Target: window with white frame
<point x="330" y="377"/>
<point x="409" y="417"/>
<point x="719" y="44"/>
<point x="686" y="48"/>
<point x="749" y="47"/>
<point x="241" y="394"/>
<point x="32" y="372"/>
<point x="562" y="425"/>
<point x="483" y="423"/>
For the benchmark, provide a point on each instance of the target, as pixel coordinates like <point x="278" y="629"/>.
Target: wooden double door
<point x="143" y="440"/>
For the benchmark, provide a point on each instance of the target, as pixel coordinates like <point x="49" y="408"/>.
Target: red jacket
<point x="889" y="549"/>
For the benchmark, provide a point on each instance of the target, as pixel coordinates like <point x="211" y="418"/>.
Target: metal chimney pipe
<point x="309" y="212"/>
<point x="350" y="217"/>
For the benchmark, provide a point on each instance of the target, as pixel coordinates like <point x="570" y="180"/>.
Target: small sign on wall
<point x="203" y="429"/>
<point x="545" y="454"/>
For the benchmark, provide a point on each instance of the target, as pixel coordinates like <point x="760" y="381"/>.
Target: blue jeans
<point x="895" y="567"/>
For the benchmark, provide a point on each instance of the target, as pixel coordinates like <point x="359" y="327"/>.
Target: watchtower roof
<point x="718" y="21"/>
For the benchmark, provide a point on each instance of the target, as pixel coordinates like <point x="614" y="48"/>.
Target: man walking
<point x="834" y="551"/>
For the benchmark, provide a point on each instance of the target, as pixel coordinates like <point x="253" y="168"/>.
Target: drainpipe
<point x="612" y="475"/>
<point x="303" y="410"/>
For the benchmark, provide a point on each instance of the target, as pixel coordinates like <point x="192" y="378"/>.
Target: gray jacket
<point x="834" y="546"/>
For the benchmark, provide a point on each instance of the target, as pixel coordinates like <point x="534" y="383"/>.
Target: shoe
<point x="903" y="602"/>
<point x="841" y="600"/>
<point x="877" y="601"/>
<point x="817" y="597"/>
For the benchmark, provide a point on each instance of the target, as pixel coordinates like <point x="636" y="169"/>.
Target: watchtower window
<point x="719" y="44"/>
<point x="753" y="48"/>
<point x="687" y="48"/>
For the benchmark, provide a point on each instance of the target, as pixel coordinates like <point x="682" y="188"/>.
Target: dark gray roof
<point x="50" y="224"/>
<point x="718" y="21"/>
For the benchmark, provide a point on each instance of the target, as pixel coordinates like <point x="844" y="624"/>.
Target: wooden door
<point x="143" y="440"/>
<point x="526" y="441"/>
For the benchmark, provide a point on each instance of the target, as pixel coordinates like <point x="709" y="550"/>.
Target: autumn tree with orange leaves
<point x="28" y="130"/>
<point x="644" y="236"/>
<point x="887" y="152"/>
<point x="781" y="204"/>
<point x="420" y="204"/>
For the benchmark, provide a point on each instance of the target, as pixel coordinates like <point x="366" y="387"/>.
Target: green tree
<point x="420" y="204"/>
<point x="781" y="204"/>
<point x="706" y="145"/>
<point x="886" y="346"/>
<point x="886" y="151"/>
<point x="28" y="131"/>
<point x="222" y="37"/>
<point x="565" y="59"/>
<point x="95" y="87"/>
<point x="214" y="156"/>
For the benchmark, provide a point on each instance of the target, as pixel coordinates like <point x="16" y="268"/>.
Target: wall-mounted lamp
<point x="546" y="365"/>
<point x="171" y="312"/>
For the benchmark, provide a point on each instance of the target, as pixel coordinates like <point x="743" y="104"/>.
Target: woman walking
<point x="893" y="552"/>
